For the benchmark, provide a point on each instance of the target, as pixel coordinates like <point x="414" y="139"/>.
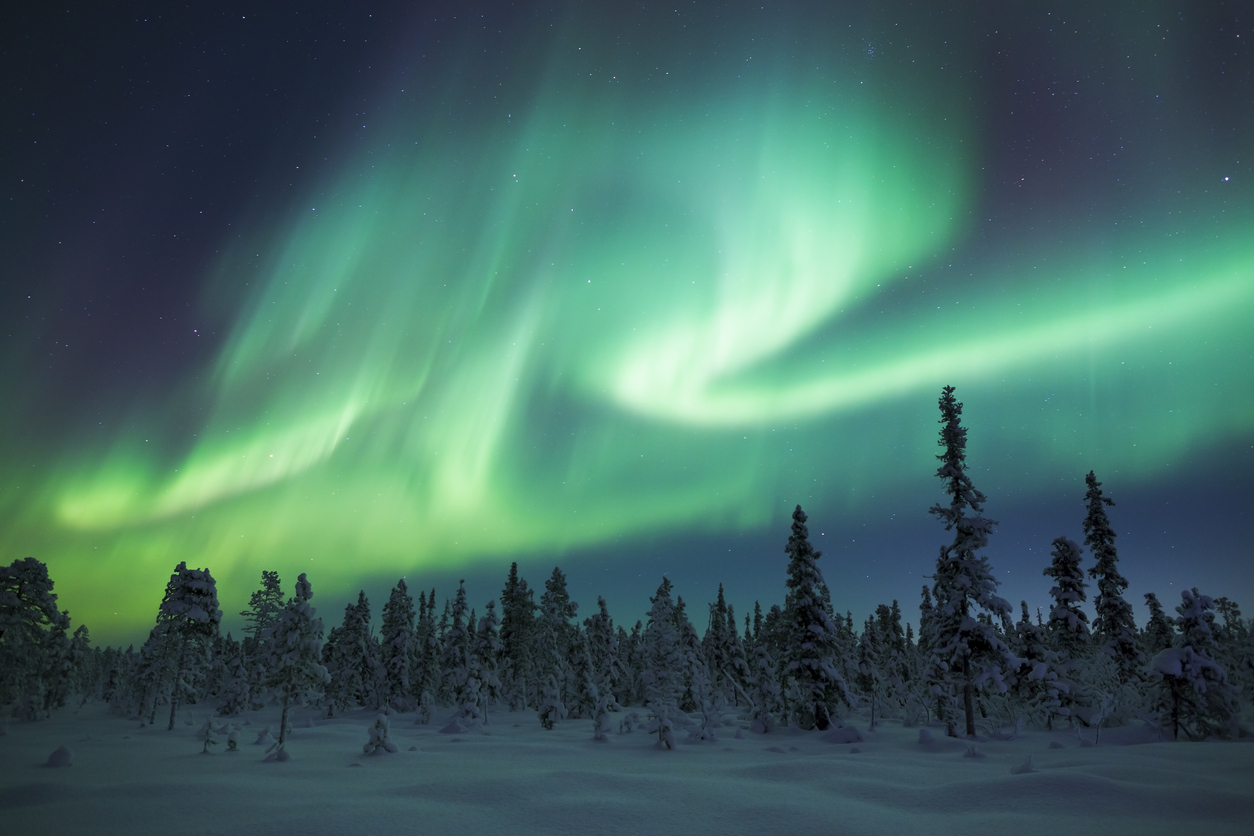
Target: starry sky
<point x="393" y="289"/>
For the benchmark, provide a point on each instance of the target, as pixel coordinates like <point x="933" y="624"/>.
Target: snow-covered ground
<point x="517" y="778"/>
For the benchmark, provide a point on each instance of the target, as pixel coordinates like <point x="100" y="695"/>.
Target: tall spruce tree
<point x="815" y="686"/>
<point x="663" y="665"/>
<point x="1114" y="628"/>
<point x="397" y="647"/>
<point x="518" y="618"/>
<point x="1068" y="624"/>
<point x="967" y="650"/>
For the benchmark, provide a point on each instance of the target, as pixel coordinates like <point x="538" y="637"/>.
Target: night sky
<point x="420" y="289"/>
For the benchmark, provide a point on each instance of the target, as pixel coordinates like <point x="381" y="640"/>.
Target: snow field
<point x="519" y="778"/>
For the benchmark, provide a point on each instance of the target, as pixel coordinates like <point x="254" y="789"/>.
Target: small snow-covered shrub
<point x="379" y="734"/>
<point x="207" y="735"/>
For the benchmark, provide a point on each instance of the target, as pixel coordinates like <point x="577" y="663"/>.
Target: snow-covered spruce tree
<point x="518" y="616"/>
<point x="456" y="668"/>
<point x="693" y="658"/>
<point x="397" y="647"/>
<point x="1236" y="646"/>
<point x="632" y="655"/>
<point x="58" y="675"/>
<point x="583" y="694"/>
<point x="551" y="708"/>
<point x="235" y="696"/>
<point x="425" y="664"/>
<point x="738" y="673"/>
<point x="814" y="686"/>
<point x="765" y="692"/>
<point x="86" y="665"/>
<point x="603" y="646"/>
<point x="295" y="670"/>
<point x="930" y="694"/>
<point x="486" y="653"/>
<point x="354" y="665"/>
<point x="662" y="676"/>
<point x="894" y="667"/>
<point x="1114" y="628"/>
<point x="870" y="677"/>
<point x="1159" y="634"/>
<point x="717" y="646"/>
<point x="1068" y="624"/>
<point x="190" y="615"/>
<point x="1194" y="694"/>
<point x="967" y="651"/>
<point x="555" y="632"/>
<point x="28" y="618"/>
<point x="1037" y="684"/>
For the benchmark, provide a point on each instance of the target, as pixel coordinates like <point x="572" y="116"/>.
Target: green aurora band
<point x="566" y="331"/>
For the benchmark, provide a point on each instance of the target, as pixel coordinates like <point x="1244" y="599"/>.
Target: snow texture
<point x="525" y="780"/>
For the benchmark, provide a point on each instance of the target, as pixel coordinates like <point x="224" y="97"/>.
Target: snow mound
<point x="61" y="756"/>
<point x="277" y="756"/>
<point x="846" y="734"/>
<point x="973" y="752"/>
<point x="925" y="736"/>
<point x="454" y="727"/>
<point x="264" y="739"/>
<point x="740" y="734"/>
<point x="1054" y="744"/>
<point x="1023" y="768"/>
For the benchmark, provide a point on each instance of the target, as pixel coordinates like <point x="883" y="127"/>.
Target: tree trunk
<point x="174" y="692"/>
<point x="968" y="701"/>
<point x="283" y="722"/>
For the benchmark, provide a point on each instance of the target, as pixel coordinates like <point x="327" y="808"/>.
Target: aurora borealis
<point x="375" y="292"/>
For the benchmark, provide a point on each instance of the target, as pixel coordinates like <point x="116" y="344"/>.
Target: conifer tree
<point x="738" y="661"/>
<point x="717" y="645"/>
<point x="604" y="650"/>
<point x="815" y="686"/>
<point x="263" y="611"/>
<point x="28" y="619"/>
<point x="662" y="676"/>
<point x="584" y="694"/>
<point x="870" y="672"/>
<point x="1068" y="624"/>
<point x="1114" y="628"/>
<point x="518" y="616"/>
<point x="455" y="667"/>
<point x="1159" y="634"/>
<point x="555" y="632"/>
<point x="189" y="618"/>
<point x="766" y="691"/>
<point x="966" y="650"/>
<point x="295" y="670"/>
<point x="397" y="646"/>
<point x="1037" y="681"/>
<point x="354" y="667"/>
<point x="486" y="652"/>
<point x="1194" y="694"/>
<point x="425" y="665"/>
<point x="235" y="695"/>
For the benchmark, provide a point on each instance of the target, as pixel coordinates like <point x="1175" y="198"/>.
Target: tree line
<point x="799" y="662"/>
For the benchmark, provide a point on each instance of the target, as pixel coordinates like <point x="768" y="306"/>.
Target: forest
<point x="975" y="666"/>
